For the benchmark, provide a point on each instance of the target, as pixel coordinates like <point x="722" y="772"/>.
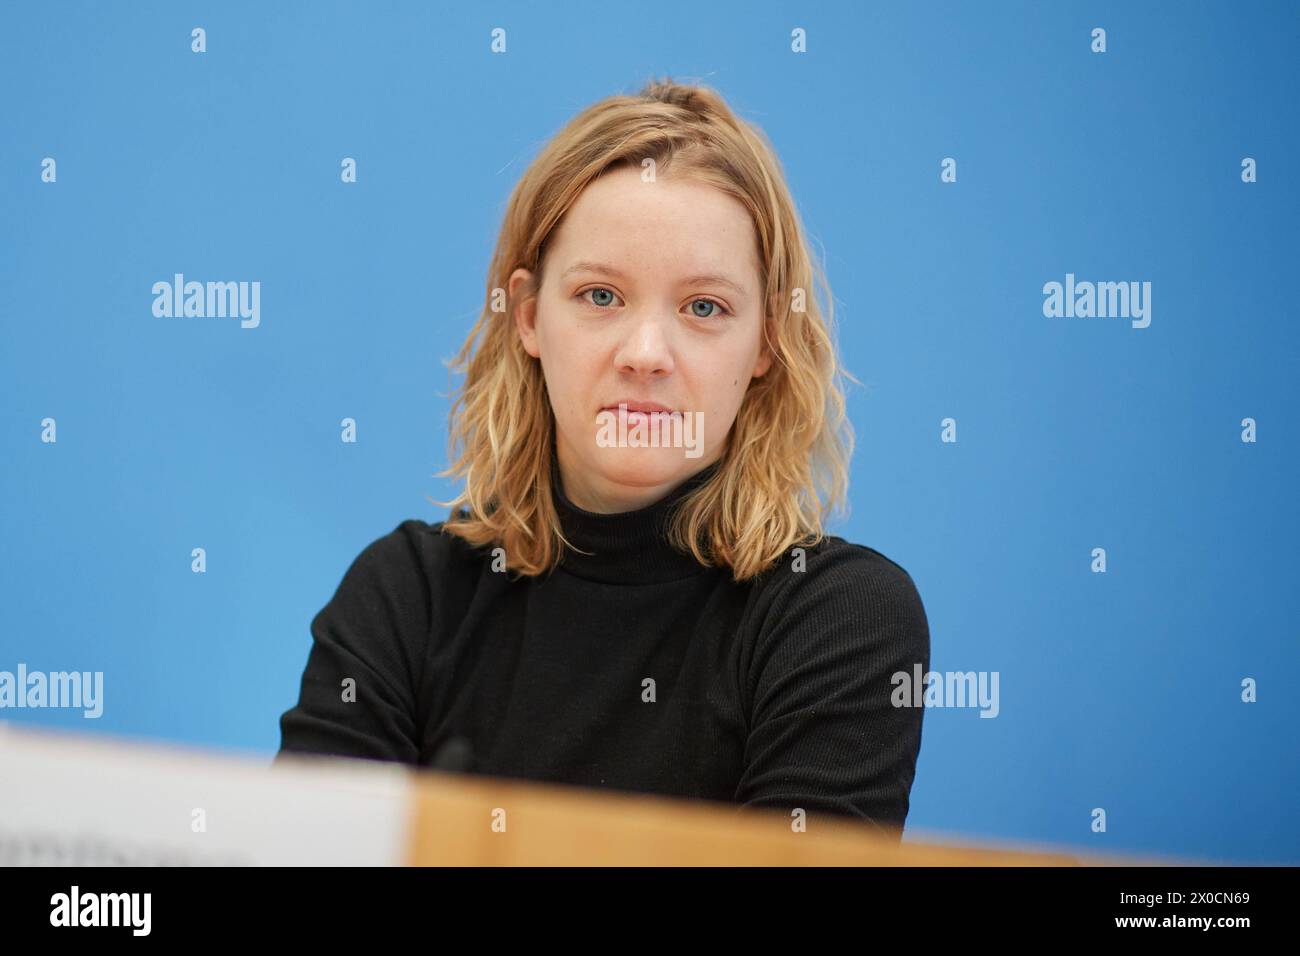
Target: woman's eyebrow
<point x="606" y="269"/>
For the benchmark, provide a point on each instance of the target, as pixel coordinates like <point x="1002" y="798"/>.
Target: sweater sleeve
<point x="357" y="696"/>
<point x="824" y="735"/>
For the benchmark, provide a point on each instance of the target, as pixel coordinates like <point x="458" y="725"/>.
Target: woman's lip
<point x="642" y="407"/>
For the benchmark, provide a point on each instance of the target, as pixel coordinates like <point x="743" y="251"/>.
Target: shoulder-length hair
<point x="785" y="465"/>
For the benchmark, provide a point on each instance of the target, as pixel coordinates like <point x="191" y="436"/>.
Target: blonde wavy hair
<point x="785" y="465"/>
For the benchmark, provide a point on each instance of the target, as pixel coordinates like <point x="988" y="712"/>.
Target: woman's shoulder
<point x="837" y="585"/>
<point x="407" y="581"/>
<point x="836" y="564"/>
<point x="416" y="542"/>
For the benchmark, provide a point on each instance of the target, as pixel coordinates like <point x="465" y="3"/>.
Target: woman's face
<point x="650" y="294"/>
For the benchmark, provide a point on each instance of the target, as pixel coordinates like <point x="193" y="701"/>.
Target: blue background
<point x="1118" y="690"/>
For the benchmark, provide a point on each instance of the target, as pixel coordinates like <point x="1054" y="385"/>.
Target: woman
<point x="634" y="589"/>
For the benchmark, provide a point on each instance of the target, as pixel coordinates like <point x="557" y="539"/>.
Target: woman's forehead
<point x="683" y="228"/>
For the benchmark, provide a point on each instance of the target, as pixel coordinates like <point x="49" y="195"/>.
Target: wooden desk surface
<point x="470" y="821"/>
<point x="150" y="800"/>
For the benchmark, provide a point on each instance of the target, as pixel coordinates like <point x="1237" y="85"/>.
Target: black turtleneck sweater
<point x="632" y="668"/>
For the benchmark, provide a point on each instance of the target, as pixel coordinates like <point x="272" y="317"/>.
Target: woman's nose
<point x="646" y="348"/>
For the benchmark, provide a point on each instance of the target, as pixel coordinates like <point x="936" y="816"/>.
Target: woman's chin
<point x="645" y="467"/>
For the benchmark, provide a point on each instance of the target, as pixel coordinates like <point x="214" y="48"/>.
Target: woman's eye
<point x="600" y="297"/>
<point x="700" y="308"/>
<point x="716" y="309"/>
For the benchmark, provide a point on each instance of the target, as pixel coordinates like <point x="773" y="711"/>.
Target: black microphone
<point x="454" y="755"/>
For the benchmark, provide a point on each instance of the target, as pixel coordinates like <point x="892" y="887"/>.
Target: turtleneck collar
<point x="630" y="547"/>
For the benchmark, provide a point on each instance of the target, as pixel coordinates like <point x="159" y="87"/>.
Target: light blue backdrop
<point x="1119" y="690"/>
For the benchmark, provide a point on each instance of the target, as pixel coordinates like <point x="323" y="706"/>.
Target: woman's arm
<point x="357" y="696"/>
<point x="824" y="734"/>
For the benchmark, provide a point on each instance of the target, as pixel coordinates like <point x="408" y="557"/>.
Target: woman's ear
<point x="764" y="361"/>
<point x="525" y="308"/>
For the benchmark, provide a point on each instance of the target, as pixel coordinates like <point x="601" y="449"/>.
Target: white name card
<point x="78" y="800"/>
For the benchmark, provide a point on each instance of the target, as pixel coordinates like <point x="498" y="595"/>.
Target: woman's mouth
<point x="632" y="407"/>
